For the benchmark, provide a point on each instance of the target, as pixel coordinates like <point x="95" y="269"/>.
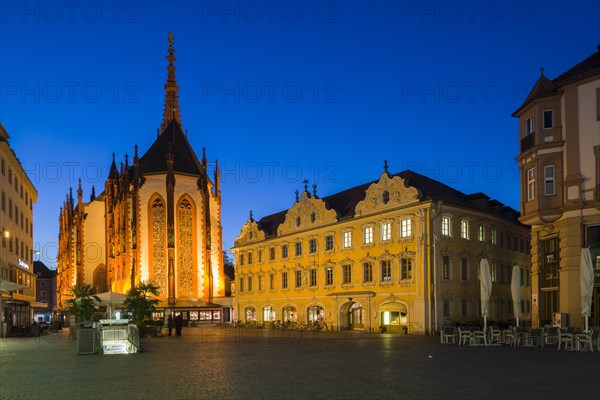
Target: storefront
<point x="394" y="318"/>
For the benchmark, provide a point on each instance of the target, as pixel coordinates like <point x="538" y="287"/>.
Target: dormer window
<point x="313" y="217"/>
<point x="385" y="198"/>
<point x="297" y="221"/>
<point x="250" y="235"/>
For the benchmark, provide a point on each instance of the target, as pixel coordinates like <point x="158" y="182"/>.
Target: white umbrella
<point x="485" y="286"/>
<point x="586" y="280"/>
<point x="515" y="289"/>
<point x="111" y="298"/>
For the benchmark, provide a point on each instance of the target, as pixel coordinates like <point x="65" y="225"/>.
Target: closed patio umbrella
<point x="485" y="286"/>
<point x="515" y="289"/>
<point x="111" y="298"/>
<point x="586" y="280"/>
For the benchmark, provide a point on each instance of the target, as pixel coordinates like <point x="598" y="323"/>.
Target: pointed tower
<point x="171" y="110"/>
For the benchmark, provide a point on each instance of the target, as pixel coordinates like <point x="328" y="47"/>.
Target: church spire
<point x="171" y="111"/>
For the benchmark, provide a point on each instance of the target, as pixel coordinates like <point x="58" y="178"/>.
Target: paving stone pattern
<point x="231" y="363"/>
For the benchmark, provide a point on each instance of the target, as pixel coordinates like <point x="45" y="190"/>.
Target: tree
<point x="141" y="301"/>
<point x="83" y="302"/>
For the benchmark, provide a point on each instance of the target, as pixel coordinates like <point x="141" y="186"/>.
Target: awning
<point x="8" y="286"/>
<point x="399" y="307"/>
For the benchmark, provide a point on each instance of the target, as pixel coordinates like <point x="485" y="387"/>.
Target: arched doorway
<point x="352" y="316"/>
<point x="250" y="314"/>
<point x="289" y="314"/>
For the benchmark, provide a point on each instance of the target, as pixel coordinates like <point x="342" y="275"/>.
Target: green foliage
<point x="83" y="302"/>
<point x="141" y="301"/>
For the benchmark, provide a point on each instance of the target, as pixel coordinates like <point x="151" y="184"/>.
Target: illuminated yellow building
<point x="401" y="253"/>
<point x="559" y="164"/>
<point x="157" y="220"/>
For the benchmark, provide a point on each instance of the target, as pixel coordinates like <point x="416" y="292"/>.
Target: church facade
<point x="157" y="220"/>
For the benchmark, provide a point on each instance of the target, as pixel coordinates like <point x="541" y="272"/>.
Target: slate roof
<point x="344" y="202"/>
<point x="185" y="160"/>
<point x="42" y="271"/>
<point x="545" y="87"/>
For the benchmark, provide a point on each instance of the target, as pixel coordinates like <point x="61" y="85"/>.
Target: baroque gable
<point x="249" y="233"/>
<point x="307" y="212"/>
<point x="388" y="192"/>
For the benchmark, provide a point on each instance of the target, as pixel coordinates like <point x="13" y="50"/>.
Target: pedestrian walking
<point x="178" y="325"/>
<point x="170" y="323"/>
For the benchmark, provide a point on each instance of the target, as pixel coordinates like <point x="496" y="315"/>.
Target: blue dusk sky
<point x="280" y="91"/>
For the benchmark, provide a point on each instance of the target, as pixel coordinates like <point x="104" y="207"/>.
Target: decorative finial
<point x="385" y="166"/>
<point x="204" y="160"/>
<point x="251" y="218"/>
<point x="171" y="109"/>
<point x="126" y="160"/>
<point x="542" y="71"/>
<point x="305" y="185"/>
<point x="314" y="189"/>
<point x="297" y="196"/>
<point x="93" y="195"/>
<point x="79" y="185"/>
<point x="135" y="151"/>
<point x="113" y="157"/>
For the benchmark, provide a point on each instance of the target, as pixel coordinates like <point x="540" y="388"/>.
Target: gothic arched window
<point x="158" y="243"/>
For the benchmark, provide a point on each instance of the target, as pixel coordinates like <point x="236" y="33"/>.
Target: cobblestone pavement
<point x="215" y="363"/>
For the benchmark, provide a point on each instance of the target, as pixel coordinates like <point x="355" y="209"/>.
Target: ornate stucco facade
<point x="157" y="220"/>
<point x="559" y="164"/>
<point x="401" y="252"/>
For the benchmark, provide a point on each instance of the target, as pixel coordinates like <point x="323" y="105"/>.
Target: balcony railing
<point x="527" y="143"/>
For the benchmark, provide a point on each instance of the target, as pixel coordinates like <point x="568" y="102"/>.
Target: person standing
<point x="178" y="325"/>
<point x="170" y="323"/>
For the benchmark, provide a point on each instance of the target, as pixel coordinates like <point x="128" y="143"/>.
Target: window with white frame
<point x="386" y="231"/>
<point x="328" y="276"/>
<point x="298" y="274"/>
<point x="481" y="233"/>
<point x="464" y="229"/>
<point x="446" y="267"/>
<point x="298" y="249"/>
<point x="531" y="184"/>
<point x="446" y="226"/>
<point x="284" y="251"/>
<point x="548" y="119"/>
<point x="368" y="235"/>
<point x="406" y="272"/>
<point x="529" y="126"/>
<point x="284" y="280"/>
<point x="328" y="242"/>
<point x="549" y="180"/>
<point x="347" y="239"/>
<point x="313" y="277"/>
<point x="493" y="235"/>
<point x="405" y="228"/>
<point x="493" y="272"/>
<point x="386" y="270"/>
<point x="312" y="246"/>
<point x="367" y="272"/>
<point x="346" y="274"/>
